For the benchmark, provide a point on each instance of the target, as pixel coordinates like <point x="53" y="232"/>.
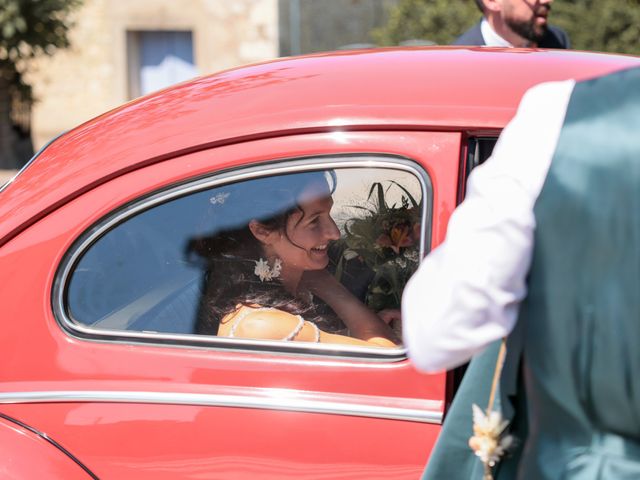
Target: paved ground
<point x="6" y="175"/>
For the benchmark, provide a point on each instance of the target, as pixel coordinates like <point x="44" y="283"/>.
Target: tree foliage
<point x="597" y="25"/>
<point x="439" y="21"/>
<point x="29" y="28"/>
<point x="600" y="25"/>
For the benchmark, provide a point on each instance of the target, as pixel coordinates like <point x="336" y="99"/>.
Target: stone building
<point x="122" y="49"/>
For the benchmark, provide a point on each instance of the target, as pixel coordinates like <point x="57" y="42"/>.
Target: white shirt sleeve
<point x="466" y="293"/>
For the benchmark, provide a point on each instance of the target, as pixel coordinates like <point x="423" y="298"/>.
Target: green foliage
<point x="29" y="28"/>
<point x="596" y="25"/>
<point x="439" y="21"/>
<point x="600" y="25"/>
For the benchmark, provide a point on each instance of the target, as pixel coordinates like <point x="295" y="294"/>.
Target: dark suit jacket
<point x="554" y="38"/>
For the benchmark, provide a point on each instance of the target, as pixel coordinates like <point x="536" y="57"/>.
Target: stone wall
<point x="92" y="76"/>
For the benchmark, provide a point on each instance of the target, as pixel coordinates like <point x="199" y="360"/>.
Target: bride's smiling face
<point x="308" y="231"/>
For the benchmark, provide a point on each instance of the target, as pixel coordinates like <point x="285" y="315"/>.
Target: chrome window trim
<point x="393" y="408"/>
<point x="240" y="173"/>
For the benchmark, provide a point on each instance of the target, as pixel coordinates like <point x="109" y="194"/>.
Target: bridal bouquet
<point x="387" y="239"/>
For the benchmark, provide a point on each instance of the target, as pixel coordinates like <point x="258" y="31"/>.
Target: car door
<point x="92" y="366"/>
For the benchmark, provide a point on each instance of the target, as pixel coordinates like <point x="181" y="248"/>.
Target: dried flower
<point x="412" y="256"/>
<point x="265" y="272"/>
<point x="277" y="268"/>
<point x="401" y="262"/>
<point x="488" y="442"/>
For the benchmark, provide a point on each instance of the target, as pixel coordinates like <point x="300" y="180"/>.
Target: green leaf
<point x="29" y="28"/>
<point x="370" y="210"/>
<point x="413" y="201"/>
<point x="379" y="191"/>
<point x="339" y="268"/>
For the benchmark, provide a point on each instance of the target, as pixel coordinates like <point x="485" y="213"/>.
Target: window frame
<point x="212" y="180"/>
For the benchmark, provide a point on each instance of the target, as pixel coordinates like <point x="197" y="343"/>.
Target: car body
<point x="114" y="403"/>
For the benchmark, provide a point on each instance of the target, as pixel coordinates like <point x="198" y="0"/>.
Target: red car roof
<point x="426" y="88"/>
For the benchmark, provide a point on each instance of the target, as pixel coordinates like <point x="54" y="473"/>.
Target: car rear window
<point x="182" y="263"/>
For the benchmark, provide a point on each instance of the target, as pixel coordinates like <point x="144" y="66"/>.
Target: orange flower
<point x="399" y="236"/>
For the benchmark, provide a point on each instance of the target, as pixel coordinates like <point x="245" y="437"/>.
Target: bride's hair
<point x="230" y="249"/>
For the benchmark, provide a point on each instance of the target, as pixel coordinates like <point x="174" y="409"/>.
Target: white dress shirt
<point x="466" y="293"/>
<point x="490" y="37"/>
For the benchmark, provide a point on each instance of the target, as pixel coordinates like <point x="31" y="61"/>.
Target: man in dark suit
<point x="515" y="23"/>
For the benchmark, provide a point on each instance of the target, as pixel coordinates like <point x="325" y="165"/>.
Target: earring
<point x="265" y="272"/>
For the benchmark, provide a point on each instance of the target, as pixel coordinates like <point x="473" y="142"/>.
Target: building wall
<point x="92" y="76"/>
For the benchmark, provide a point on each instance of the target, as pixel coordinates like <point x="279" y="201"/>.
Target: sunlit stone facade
<point x="99" y="71"/>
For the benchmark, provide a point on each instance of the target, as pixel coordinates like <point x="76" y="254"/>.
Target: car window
<point x="255" y="256"/>
<point x="479" y="150"/>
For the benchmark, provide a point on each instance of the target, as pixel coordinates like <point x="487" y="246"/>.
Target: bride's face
<point x="308" y="231"/>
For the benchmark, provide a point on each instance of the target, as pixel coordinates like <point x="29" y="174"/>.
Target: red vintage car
<point x="105" y="372"/>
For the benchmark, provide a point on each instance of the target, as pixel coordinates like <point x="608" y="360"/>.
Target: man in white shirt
<point x="545" y="250"/>
<point x="515" y="23"/>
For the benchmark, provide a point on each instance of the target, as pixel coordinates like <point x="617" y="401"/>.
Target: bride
<point x="266" y="266"/>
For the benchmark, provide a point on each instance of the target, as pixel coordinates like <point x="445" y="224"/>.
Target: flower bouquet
<point x="386" y="238"/>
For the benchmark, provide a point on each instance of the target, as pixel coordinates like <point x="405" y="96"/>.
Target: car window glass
<point x="479" y="149"/>
<point x="250" y="250"/>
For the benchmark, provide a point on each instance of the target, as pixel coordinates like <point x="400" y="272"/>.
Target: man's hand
<point x="389" y="315"/>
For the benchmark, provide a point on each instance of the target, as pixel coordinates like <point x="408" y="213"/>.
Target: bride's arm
<point x="362" y="322"/>
<point x="279" y="325"/>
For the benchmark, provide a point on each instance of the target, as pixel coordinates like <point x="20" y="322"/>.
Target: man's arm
<point x="466" y="293"/>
